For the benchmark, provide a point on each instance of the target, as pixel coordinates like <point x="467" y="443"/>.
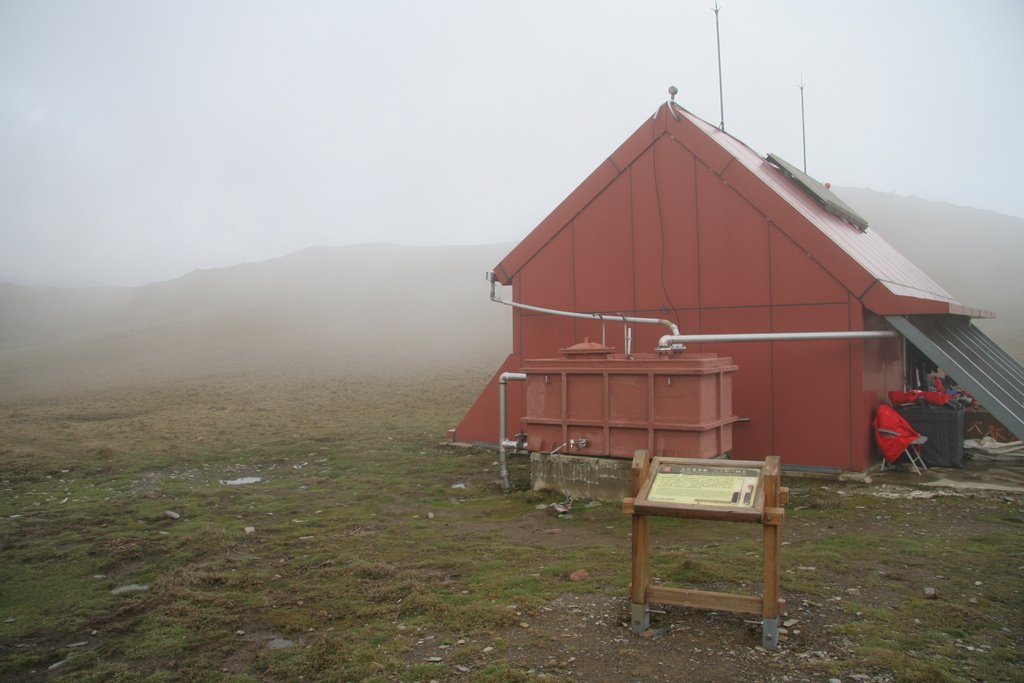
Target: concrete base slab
<point x="605" y="479"/>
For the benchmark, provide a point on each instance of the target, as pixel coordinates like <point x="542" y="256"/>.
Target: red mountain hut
<point x="685" y="224"/>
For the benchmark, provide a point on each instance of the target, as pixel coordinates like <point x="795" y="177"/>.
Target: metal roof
<point x="888" y="267"/>
<point x="990" y="374"/>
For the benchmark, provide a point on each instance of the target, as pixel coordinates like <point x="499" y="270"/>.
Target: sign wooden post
<point x="721" y="490"/>
<point x="640" y="618"/>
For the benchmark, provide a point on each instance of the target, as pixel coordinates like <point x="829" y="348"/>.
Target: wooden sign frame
<point x="694" y="488"/>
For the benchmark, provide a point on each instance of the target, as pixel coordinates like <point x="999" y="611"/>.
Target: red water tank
<point x="592" y="401"/>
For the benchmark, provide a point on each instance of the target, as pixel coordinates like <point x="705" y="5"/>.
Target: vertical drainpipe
<point x="503" y="380"/>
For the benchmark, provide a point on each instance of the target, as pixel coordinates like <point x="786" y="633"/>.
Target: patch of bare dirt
<point x="587" y="638"/>
<point x="538" y="529"/>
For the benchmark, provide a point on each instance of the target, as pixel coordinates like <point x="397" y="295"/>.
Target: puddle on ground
<point x="241" y="481"/>
<point x="279" y="643"/>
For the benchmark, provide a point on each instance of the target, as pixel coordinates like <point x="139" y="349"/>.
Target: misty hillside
<point x="976" y="255"/>
<point x="333" y="310"/>
<point x="321" y="310"/>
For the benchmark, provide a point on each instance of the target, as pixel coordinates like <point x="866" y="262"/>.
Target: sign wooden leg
<point x="640" y="619"/>
<point x="770" y="604"/>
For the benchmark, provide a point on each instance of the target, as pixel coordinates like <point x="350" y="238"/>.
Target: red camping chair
<point x="896" y="438"/>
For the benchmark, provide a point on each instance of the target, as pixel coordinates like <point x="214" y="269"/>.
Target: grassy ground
<point x="368" y="553"/>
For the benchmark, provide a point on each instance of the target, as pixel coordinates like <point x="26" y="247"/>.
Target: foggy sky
<point x="142" y="140"/>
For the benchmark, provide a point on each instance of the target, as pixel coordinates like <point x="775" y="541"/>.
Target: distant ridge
<point x="320" y="310"/>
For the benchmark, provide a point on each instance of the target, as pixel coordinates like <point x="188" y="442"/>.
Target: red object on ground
<point x="902" y="397"/>
<point x="893" y="434"/>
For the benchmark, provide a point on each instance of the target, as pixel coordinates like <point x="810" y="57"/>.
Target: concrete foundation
<point x="606" y="479"/>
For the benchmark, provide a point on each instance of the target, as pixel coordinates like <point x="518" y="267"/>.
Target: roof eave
<point x="880" y="300"/>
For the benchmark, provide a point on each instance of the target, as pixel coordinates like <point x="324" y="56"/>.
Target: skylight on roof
<point x="821" y="194"/>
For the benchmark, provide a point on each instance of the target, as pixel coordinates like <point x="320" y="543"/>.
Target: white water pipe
<point x="670" y="340"/>
<point x="503" y="380"/>
<point x="603" y="317"/>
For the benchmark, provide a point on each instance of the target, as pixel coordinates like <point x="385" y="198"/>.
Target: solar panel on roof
<point x="821" y="194"/>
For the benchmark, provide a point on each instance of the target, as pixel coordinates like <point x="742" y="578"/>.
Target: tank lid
<point x="586" y="349"/>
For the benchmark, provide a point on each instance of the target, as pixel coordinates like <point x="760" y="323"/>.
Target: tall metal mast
<point x="721" y="99"/>
<point x="803" y="125"/>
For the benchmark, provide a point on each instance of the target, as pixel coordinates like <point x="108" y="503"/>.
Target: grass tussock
<point x="99" y="450"/>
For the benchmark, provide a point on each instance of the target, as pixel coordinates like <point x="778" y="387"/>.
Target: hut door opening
<point x="918" y="367"/>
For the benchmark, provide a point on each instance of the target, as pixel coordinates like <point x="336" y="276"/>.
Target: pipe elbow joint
<point x="670" y="343"/>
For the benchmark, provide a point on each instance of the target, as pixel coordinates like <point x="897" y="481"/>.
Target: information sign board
<point x="704" y="485"/>
<point x="689" y="487"/>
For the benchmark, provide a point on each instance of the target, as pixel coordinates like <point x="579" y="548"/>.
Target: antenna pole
<point x="803" y="125"/>
<point x="721" y="99"/>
